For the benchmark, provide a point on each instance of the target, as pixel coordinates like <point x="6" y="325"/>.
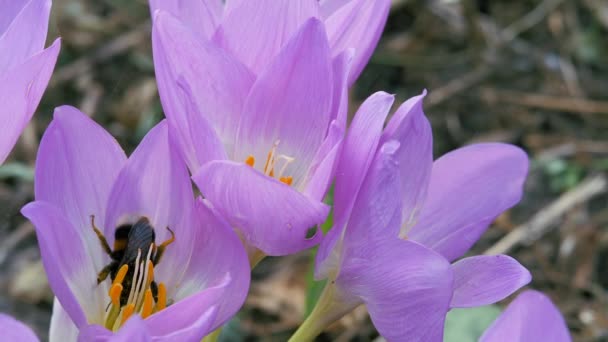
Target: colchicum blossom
<point x="25" y="66"/>
<point x="400" y="219"/>
<point x="124" y="237"/>
<point x="13" y="330"/>
<point x="530" y="317"/>
<point x="262" y="149"/>
<point x="254" y="32"/>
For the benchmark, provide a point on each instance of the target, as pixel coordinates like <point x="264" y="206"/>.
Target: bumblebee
<point x="133" y="243"/>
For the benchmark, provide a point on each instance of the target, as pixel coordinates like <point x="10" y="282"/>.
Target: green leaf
<point x="467" y="325"/>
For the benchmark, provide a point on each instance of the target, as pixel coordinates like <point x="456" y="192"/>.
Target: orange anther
<point x="287" y="180"/>
<point x="162" y="297"/>
<point x="127" y="312"/>
<point x="147" y="307"/>
<point x="115" y="291"/>
<point x="122" y="272"/>
<point x="150" y="273"/>
<point x="250" y="161"/>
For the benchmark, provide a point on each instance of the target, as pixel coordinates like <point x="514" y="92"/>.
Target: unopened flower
<point x="122" y="237"/>
<point x="262" y="149"/>
<point x="379" y="252"/>
<point x="530" y="317"/>
<point x="255" y="32"/>
<point x="25" y="66"/>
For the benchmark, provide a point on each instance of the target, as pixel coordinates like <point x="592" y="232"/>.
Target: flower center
<point x="274" y="162"/>
<point x="133" y="288"/>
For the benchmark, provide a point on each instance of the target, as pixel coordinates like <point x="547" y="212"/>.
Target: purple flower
<point x="13" y="330"/>
<point x="25" y="66"/>
<point x="255" y="32"/>
<point x="262" y="149"/>
<point x="84" y="180"/>
<point x="400" y="219"/>
<point x="530" y="317"/>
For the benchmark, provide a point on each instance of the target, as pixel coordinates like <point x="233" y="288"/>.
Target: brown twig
<point x="545" y="219"/>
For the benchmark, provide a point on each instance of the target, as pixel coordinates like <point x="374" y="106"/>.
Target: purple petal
<point x="189" y="319"/>
<point x="405" y="286"/>
<point x="328" y="7"/>
<point x="359" y="25"/>
<point x="134" y="330"/>
<point x="359" y="149"/>
<point x="76" y="166"/>
<point x="220" y="84"/>
<point x="155" y="183"/>
<point x="487" y="279"/>
<point x="13" y="330"/>
<point x="10" y="9"/>
<point x="271" y="216"/>
<point x="218" y="253"/>
<point x="201" y="16"/>
<point x="413" y="131"/>
<point x="321" y="171"/>
<point x="341" y="66"/>
<point x="290" y="103"/>
<point x="22" y="39"/>
<point x="530" y="317"/>
<point x="70" y="271"/>
<point x="275" y="21"/>
<point x="62" y="327"/>
<point x="20" y="91"/>
<point x="469" y="188"/>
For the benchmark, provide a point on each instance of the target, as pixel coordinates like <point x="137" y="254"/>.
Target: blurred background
<point x="528" y="72"/>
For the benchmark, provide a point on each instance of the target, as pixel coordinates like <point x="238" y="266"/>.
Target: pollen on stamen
<point x="162" y="297"/>
<point x="120" y="276"/>
<point x="286" y="180"/>
<point x="115" y="292"/>
<point x="127" y="312"/>
<point x="250" y="161"/>
<point x="148" y="303"/>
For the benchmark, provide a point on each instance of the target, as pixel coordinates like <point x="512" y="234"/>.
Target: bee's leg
<point x="161" y="248"/>
<point x="103" y="274"/>
<point x="102" y="238"/>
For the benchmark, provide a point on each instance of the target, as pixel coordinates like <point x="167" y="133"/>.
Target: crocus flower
<point x="255" y="32"/>
<point x="530" y="317"/>
<point x="86" y="189"/>
<point x="262" y="149"/>
<point x="25" y="66"/>
<point x="14" y="331"/>
<point x="400" y="219"/>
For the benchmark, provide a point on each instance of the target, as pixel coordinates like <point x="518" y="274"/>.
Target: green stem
<point x="329" y="308"/>
<point x="213" y="336"/>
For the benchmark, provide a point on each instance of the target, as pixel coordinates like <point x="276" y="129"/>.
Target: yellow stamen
<point x="162" y="297"/>
<point x="150" y="273"/>
<point x="120" y="276"/>
<point x="115" y="292"/>
<point x="250" y="161"/>
<point x="127" y="312"/>
<point x="148" y="301"/>
<point x="286" y="180"/>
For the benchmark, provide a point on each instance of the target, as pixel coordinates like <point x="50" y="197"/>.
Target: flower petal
<point x="219" y="82"/>
<point x="70" y="271"/>
<point x="413" y="131"/>
<point x="134" y="330"/>
<point x="486" y="279"/>
<point x="275" y="21"/>
<point x="155" y="183"/>
<point x="13" y="330"/>
<point x="21" y="89"/>
<point x="530" y="317"/>
<point x="290" y="103"/>
<point x="10" y="9"/>
<point x="328" y="7"/>
<point x="189" y="319"/>
<point x="76" y="166"/>
<point x="22" y="39"/>
<point x="201" y="16"/>
<point x="359" y="25"/>
<point x="218" y="253"/>
<point x="62" y="328"/>
<point x="405" y="286"/>
<point x="271" y="216"/>
<point x="321" y="171"/>
<point x="469" y="188"/>
<point x="341" y="65"/>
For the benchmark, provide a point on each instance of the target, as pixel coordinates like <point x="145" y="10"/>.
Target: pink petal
<point x="270" y="215"/>
<point x="469" y="188"/>
<point x="275" y="22"/>
<point x="483" y="280"/>
<point x="13" y="330"/>
<point x="201" y="16"/>
<point x="321" y="172"/>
